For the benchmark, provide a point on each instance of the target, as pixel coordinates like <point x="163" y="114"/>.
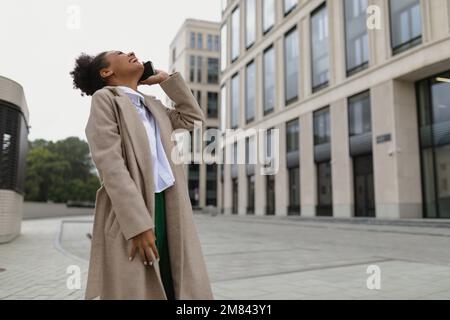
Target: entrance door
<point x="270" y="195"/>
<point x="324" y="190"/>
<point x="364" y="186"/>
<point x="234" y="209"/>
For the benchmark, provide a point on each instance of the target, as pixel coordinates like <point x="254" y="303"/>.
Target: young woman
<point x="144" y="242"/>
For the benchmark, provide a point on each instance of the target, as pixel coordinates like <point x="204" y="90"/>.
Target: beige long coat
<point x="125" y="201"/>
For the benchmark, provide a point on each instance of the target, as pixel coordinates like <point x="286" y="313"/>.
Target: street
<point x="250" y="257"/>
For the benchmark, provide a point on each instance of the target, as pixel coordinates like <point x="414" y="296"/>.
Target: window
<point x="292" y="136"/>
<point x="211" y="185"/>
<point x="269" y="80"/>
<point x="200" y="41"/>
<point x="250" y="22"/>
<point x="191" y="68"/>
<point x="235" y="100"/>
<point x="322" y="133"/>
<point x="213" y="70"/>
<point x="356" y="38"/>
<point x="250" y="92"/>
<point x="223" y="48"/>
<point x="406" y="24"/>
<point x="291" y="57"/>
<point x="250" y="150"/>
<point x="223" y="108"/>
<point x="216" y="43"/>
<point x="268" y="15"/>
<point x="359" y="114"/>
<point x="192" y="40"/>
<point x="212" y="104"/>
<point x="209" y="42"/>
<point x="319" y="47"/>
<point x="199" y="69"/>
<point x="289" y="5"/>
<point x="235" y="32"/>
<point x="251" y="194"/>
<point x="294" y="191"/>
<point x="13" y="148"/>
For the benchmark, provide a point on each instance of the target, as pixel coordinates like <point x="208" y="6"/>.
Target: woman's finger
<point x="142" y="254"/>
<point x="132" y="253"/>
<point x="150" y="256"/>
<point x="155" y="251"/>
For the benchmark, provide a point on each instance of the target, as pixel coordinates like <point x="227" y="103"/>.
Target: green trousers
<point x="162" y="245"/>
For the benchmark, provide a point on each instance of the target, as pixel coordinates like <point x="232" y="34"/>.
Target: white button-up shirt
<point x="162" y="173"/>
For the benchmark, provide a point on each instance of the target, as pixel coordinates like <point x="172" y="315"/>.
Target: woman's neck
<point x="133" y="84"/>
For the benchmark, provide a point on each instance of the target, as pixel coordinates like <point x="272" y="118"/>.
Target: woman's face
<point x="123" y="65"/>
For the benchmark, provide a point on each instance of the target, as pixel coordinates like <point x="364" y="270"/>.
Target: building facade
<point x="359" y="91"/>
<point x="195" y="53"/>
<point x="13" y="151"/>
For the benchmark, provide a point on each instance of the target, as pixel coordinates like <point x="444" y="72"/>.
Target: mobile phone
<point x="149" y="71"/>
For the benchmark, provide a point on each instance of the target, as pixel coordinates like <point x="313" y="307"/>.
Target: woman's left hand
<point x="159" y="77"/>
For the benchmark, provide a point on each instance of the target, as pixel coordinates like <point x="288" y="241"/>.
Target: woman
<point x="142" y="207"/>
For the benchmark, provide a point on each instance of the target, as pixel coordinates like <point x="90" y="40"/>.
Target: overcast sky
<point x="40" y="40"/>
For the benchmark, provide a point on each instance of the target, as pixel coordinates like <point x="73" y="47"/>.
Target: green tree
<point x="60" y="171"/>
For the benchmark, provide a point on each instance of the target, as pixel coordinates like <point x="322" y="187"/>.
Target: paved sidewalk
<point x="252" y="257"/>
<point x="35" y="267"/>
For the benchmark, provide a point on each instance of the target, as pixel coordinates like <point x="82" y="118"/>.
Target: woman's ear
<point x="105" y="73"/>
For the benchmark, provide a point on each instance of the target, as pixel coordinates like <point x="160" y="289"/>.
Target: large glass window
<point x="211" y="185"/>
<point x="406" y="24"/>
<point x="235" y="101"/>
<point x="292" y="136"/>
<point x="213" y="70"/>
<point x="294" y="191"/>
<point x="209" y="43"/>
<point x="191" y="68"/>
<point x="199" y="68"/>
<point x="250" y="22"/>
<point x="291" y="53"/>
<point x="269" y="80"/>
<point x="357" y="43"/>
<point x="199" y="40"/>
<point x="235" y="34"/>
<point x="434" y="120"/>
<point x="193" y="183"/>
<point x="268" y="14"/>
<point x="223" y="108"/>
<point x="324" y="189"/>
<point x="270" y="195"/>
<point x="251" y="194"/>
<point x="250" y="92"/>
<point x="320" y="48"/>
<point x="223" y="48"/>
<point x="360" y="121"/>
<point x="212" y="104"/>
<point x="322" y="130"/>
<point x="289" y="5"/>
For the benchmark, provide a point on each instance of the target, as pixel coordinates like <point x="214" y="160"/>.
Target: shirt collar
<point x="135" y="96"/>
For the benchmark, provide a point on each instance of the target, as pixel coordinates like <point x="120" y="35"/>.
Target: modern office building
<point x="360" y="93"/>
<point x="195" y="53"/>
<point x="13" y="151"/>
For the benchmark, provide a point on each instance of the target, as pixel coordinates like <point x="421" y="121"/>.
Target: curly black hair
<point x="86" y="74"/>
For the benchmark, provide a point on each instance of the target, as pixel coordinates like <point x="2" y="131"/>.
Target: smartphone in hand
<point x="149" y="71"/>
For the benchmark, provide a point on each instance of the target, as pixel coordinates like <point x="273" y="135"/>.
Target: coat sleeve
<point x="187" y="110"/>
<point x="102" y="133"/>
